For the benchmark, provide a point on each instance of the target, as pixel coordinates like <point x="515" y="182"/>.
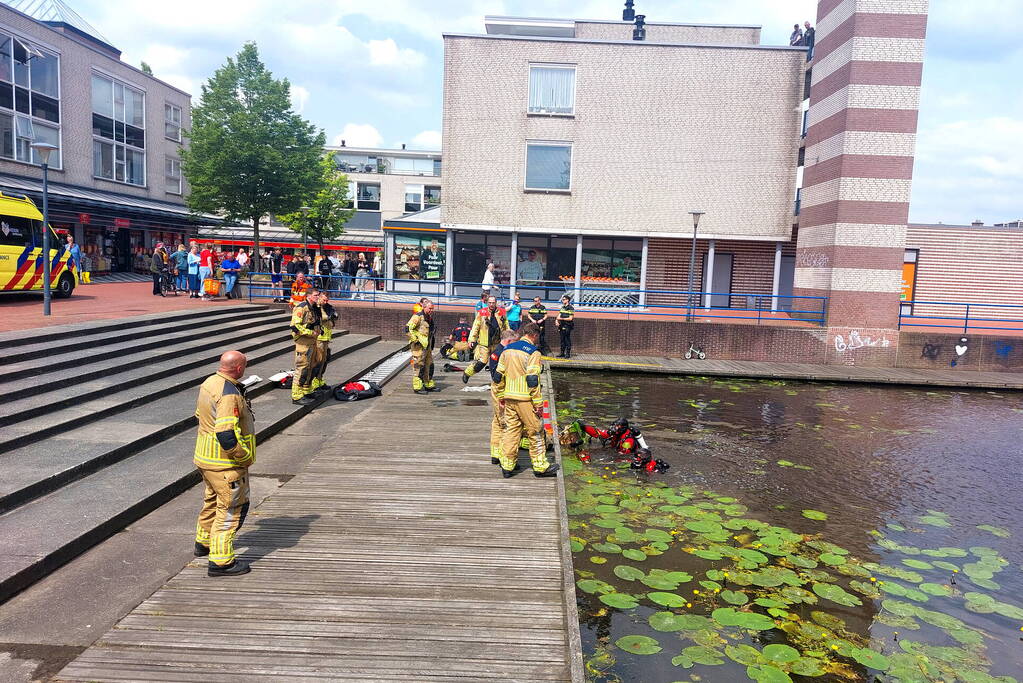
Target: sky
<point x="369" y="71"/>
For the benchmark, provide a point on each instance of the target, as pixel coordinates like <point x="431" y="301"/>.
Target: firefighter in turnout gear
<point x="306" y="327"/>
<point x="518" y="390"/>
<point x="490" y="322"/>
<point x="225" y="448"/>
<point x="421" y="335"/>
<point x="497" y="423"/>
<point x="328" y="319"/>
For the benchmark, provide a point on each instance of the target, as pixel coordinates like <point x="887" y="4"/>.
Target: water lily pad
<point x="938" y="589"/>
<point x="734" y="597"/>
<point x="807" y="666"/>
<point x="778" y="653"/>
<point x="827" y="620"/>
<point x="708" y="554"/>
<point x="666" y="621"/>
<point x="765" y="673"/>
<point x="999" y="531"/>
<point x="577" y="544"/>
<point x="659" y="583"/>
<point x="594" y="586"/>
<point x="786" y="463"/>
<point x="638" y="645"/>
<point x="624" y="534"/>
<point x="607" y="547"/>
<point x="629" y="573"/>
<point x="597" y="559"/>
<point x="658" y="535"/>
<point x="831" y="559"/>
<point x="934" y="520"/>
<point x="917" y="564"/>
<point x="619" y="600"/>
<point x="830" y="591"/>
<point x="633" y="554"/>
<point x="743" y="654"/>
<point x="871" y="658"/>
<point x="899" y="608"/>
<point x="703" y="526"/>
<point x="683" y="661"/>
<point x="701" y="654"/>
<point x="815" y="514"/>
<point x="667" y="599"/>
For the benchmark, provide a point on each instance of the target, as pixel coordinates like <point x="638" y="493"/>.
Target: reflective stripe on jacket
<point x="519" y="370"/>
<point x="224" y="417"/>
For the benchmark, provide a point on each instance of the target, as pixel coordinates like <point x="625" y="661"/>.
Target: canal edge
<point x="575" y="645"/>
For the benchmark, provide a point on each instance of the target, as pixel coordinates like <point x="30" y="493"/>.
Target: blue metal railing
<point x="961" y="315"/>
<point x="628" y="300"/>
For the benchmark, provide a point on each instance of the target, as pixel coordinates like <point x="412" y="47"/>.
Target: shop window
<point x="545" y="266"/>
<point x="368" y="196"/>
<point x="473" y="251"/>
<point x="419" y="258"/>
<point x="548" y="166"/>
<point x="612" y="260"/>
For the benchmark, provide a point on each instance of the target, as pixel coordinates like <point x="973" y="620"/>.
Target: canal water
<point x="804" y="531"/>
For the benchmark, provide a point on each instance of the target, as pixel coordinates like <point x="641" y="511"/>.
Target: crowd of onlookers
<point x="346" y="274"/>
<point x="803" y="36"/>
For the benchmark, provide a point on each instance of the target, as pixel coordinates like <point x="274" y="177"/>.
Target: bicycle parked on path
<point x="695" y="352"/>
<point x="167" y="284"/>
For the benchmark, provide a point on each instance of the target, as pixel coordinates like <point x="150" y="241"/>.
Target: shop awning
<point x="270" y="237"/>
<point x="110" y="201"/>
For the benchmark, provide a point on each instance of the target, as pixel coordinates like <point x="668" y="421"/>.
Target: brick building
<point x="115" y="180"/>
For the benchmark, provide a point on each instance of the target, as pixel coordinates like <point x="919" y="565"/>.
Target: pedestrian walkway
<point x="399" y="553"/>
<point x="121" y="277"/>
<point x="800" y="371"/>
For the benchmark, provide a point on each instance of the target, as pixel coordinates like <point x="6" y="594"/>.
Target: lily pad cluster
<point x="741" y="591"/>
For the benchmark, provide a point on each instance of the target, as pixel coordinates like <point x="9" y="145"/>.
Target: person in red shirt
<point x="205" y="267"/>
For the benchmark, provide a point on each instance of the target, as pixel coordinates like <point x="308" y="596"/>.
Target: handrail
<point x="628" y="299"/>
<point x="965" y="321"/>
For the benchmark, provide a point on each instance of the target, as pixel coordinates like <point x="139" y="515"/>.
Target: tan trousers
<point x="520" y="419"/>
<point x="305" y="365"/>
<point x="496" y="426"/>
<point x="225" y="504"/>
<point x="422" y="366"/>
<point x="480" y="357"/>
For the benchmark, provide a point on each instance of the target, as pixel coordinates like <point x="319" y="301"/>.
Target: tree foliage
<point x="250" y="154"/>
<point x="329" y="206"/>
<point x="146" y="69"/>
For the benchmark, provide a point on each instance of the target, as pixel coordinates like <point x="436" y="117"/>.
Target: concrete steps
<point x="40" y="535"/>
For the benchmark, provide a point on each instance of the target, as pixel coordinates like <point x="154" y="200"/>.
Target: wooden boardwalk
<point x="801" y="371"/>
<point x="398" y="554"/>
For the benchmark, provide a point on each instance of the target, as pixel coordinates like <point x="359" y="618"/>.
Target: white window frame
<point x="380" y="195"/>
<point x="113" y="143"/>
<point x="6" y="32"/>
<point x="575" y="88"/>
<point x="549" y="143"/>
<point x="166" y="120"/>
<point x="421" y="189"/>
<point x="168" y="177"/>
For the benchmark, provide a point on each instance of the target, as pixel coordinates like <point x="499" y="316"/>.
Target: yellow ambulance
<point x="21" y="247"/>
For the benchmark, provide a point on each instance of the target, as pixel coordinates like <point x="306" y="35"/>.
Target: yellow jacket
<point x="306" y="325"/>
<point x="227" y="435"/>
<point x="518" y="371"/>
<point x="484" y="325"/>
<point x="420" y="330"/>
<point x="328" y="317"/>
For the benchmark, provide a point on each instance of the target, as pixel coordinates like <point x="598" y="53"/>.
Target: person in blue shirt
<point x="74" y="250"/>
<point x="482" y="303"/>
<point x="514" y="311"/>
<point x="231" y="268"/>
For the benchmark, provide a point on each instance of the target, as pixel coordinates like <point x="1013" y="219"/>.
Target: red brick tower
<point x="860" y="140"/>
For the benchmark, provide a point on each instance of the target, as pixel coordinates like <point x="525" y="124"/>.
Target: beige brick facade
<point x="658" y="130"/>
<point x="77" y="63"/>
<point x="670" y="33"/>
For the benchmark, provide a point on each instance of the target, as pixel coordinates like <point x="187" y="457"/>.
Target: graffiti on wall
<point x="1003" y="349"/>
<point x="812" y="259"/>
<point x="855" y="340"/>
<point x="930" y="351"/>
<point x="960" y="350"/>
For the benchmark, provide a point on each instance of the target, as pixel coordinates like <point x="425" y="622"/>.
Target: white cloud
<point x="359" y="135"/>
<point x="428" y="139"/>
<point x="299" y="97"/>
<point x="387" y="53"/>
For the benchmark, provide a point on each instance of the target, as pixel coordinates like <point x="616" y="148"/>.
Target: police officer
<point x="421" y="335"/>
<point x="306" y="327"/>
<point x="537" y="314"/>
<point x="497" y="423"/>
<point x="565" y="323"/>
<point x="490" y="322"/>
<point x="518" y="392"/>
<point x="225" y="448"/>
<point x="328" y="319"/>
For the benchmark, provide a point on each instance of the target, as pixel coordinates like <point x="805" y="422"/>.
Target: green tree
<point x="146" y="69"/>
<point x="250" y="154"/>
<point x="326" y="210"/>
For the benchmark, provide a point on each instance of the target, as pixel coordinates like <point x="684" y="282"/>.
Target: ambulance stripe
<point x="30" y="283"/>
<point x="23" y="265"/>
<point x="24" y="256"/>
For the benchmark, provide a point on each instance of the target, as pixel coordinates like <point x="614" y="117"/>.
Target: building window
<point x="368" y="197"/>
<point x="548" y="165"/>
<point x="29" y="100"/>
<point x="407" y="166"/>
<point x="551" y="89"/>
<point x="473" y="251"/>
<point x="436" y="167"/>
<point x="173" y="173"/>
<point x="118" y="131"/>
<point x="413" y="198"/>
<point x="431" y="195"/>
<point x="358" y="163"/>
<point x="619" y="260"/>
<point x="545" y="265"/>
<point x="172" y="122"/>
<point x="419" y="258"/>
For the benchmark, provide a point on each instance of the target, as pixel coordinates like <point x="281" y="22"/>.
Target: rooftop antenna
<point x="628" y="14"/>
<point x="639" y="33"/>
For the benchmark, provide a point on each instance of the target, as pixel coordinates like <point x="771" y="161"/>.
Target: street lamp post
<point x="692" y="265"/>
<point x="44" y="149"/>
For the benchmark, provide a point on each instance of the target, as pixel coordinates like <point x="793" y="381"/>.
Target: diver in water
<point x="626" y="440"/>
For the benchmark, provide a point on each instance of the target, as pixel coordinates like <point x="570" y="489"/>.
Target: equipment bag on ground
<point x="356" y="391"/>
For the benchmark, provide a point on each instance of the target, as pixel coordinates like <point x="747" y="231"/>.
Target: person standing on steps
<point x="486" y="332"/>
<point x="225" y="448"/>
<point x="565" y="323"/>
<point x="520" y="399"/>
<point x="497" y="424"/>
<point x="328" y="319"/>
<point x="305" y="329"/>
<point x="537" y="314"/>
<point x="421" y="336"/>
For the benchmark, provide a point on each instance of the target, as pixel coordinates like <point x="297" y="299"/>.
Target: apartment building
<point x="115" y="179"/>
